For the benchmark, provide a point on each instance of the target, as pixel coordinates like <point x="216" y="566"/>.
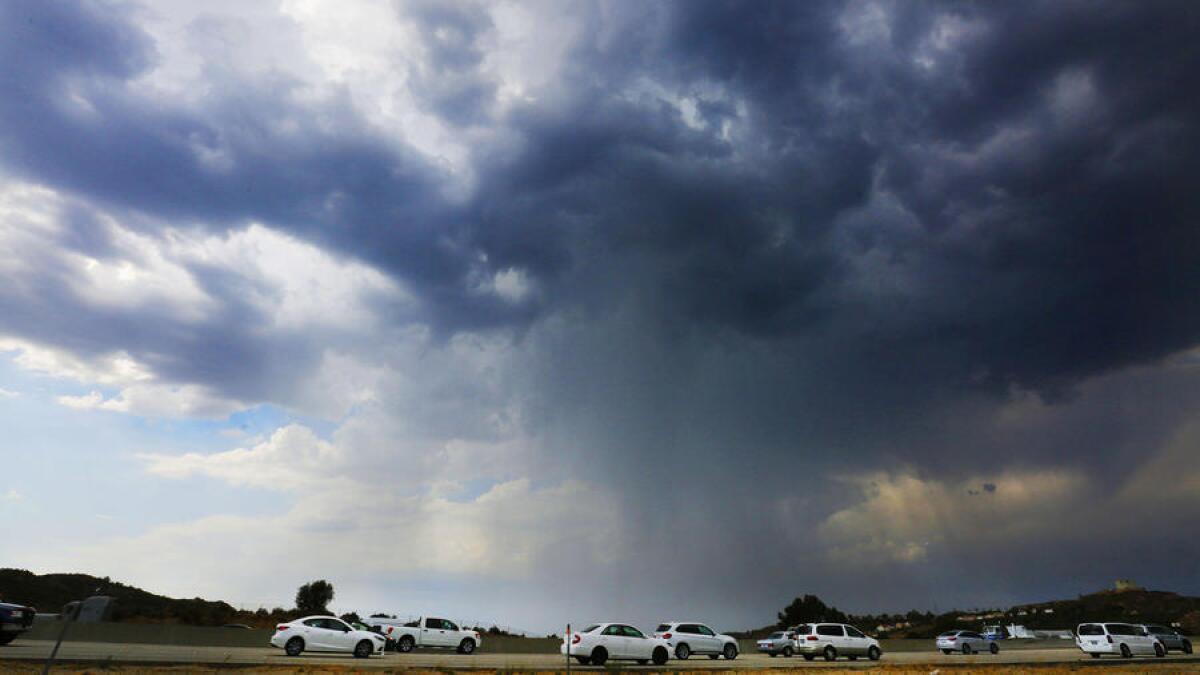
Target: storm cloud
<point x="773" y="295"/>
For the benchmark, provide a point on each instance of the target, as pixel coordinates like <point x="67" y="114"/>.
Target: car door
<point x="637" y="645"/>
<point x="340" y="634"/>
<point x="613" y="639"/>
<point x="316" y="636"/>
<point x="712" y="645"/>
<point x="832" y="634"/>
<point x="434" y="633"/>
<point x="1146" y="639"/>
<point x="856" y="642"/>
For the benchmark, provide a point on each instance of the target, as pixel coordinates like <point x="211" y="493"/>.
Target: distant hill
<point x="49" y="592"/>
<point x="1132" y="605"/>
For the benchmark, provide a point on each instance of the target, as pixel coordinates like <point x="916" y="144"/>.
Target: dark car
<point x="14" y="620"/>
<point x="1169" y="637"/>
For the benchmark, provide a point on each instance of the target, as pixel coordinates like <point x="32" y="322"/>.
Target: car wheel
<point x="966" y="649"/>
<point x="1187" y="647"/>
<point x="583" y="660"/>
<point x="830" y="653"/>
<point x="946" y="652"/>
<point x="659" y="656"/>
<point x="294" y="646"/>
<point x="809" y="657"/>
<point x="467" y="646"/>
<point x="730" y="652"/>
<point x="873" y="653"/>
<point x="406" y="644"/>
<point x="682" y="652"/>
<point x="1125" y="653"/>
<point x="1159" y="650"/>
<point x="599" y="656"/>
<point x="787" y="652"/>
<point x="363" y="649"/>
<point x="994" y="648"/>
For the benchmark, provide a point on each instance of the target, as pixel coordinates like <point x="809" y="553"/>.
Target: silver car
<point x="1169" y="637"/>
<point x="965" y="641"/>
<point x="779" y="642"/>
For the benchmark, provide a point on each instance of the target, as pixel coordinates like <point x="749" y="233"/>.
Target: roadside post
<point x="567" y="642"/>
<point x="70" y="612"/>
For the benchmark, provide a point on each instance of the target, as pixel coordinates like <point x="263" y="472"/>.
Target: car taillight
<point x="390" y="629"/>
<point x="666" y="636"/>
<point x="575" y="639"/>
<point x="811" y="638"/>
<point x="282" y="626"/>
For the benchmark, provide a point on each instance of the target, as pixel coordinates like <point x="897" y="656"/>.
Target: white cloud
<point x="298" y="294"/>
<point x="12" y="495"/>
<point x="511" y="531"/>
<point x="8" y="393"/>
<point x="293" y="458"/>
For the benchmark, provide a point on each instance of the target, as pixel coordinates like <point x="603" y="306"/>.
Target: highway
<point x="23" y="653"/>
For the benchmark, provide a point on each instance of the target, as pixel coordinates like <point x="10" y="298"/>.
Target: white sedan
<point x="597" y="644"/>
<point x="326" y="634"/>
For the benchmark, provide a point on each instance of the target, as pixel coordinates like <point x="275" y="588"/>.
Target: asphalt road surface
<point x="28" y="651"/>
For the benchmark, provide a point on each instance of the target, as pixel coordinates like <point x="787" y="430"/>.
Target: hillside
<point x="49" y="592"/>
<point x="1132" y="605"/>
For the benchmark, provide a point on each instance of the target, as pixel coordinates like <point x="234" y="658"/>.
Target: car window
<point x="854" y="632"/>
<point x="449" y="625"/>
<point x="315" y="623"/>
<point x="632" y="632"/>
<point x="829" y="629"/>
<point x="1091" y="629"/>
<point x="590" y="628"/>
<point x="614" y="629"/>
<point x="1121" y="629"/>
<point x="338" y="624"/>
<point x="1158" y="629"/>
<point x="804" y="629"/>
<point x="704" y="630"/>
<point x="662" y="628"/>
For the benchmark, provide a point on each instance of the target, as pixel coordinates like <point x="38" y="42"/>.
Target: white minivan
<point x="1124" y="639"/>
<point x="831" y="640"/>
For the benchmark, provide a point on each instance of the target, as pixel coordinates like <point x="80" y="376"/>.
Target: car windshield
<point x="952" y="633"/>
<point x="590" y="628"/>
<point x="662" y="628"/>
<point x="803" y="629"/>
<point x="776" y="636"/>
<point x="1091" y="629"/>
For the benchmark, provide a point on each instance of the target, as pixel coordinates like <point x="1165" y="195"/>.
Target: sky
<point x="535" y="312"/>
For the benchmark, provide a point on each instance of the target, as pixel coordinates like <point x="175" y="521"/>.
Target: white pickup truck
<point x="426" y="631"/>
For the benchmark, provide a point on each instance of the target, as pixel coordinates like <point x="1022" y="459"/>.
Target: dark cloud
<point x="775" y="244"/>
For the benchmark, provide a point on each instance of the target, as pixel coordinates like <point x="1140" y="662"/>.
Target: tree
<point x="808" y="608"/>
<point x="351" y="617"/>
<point x="314" y="597"/>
